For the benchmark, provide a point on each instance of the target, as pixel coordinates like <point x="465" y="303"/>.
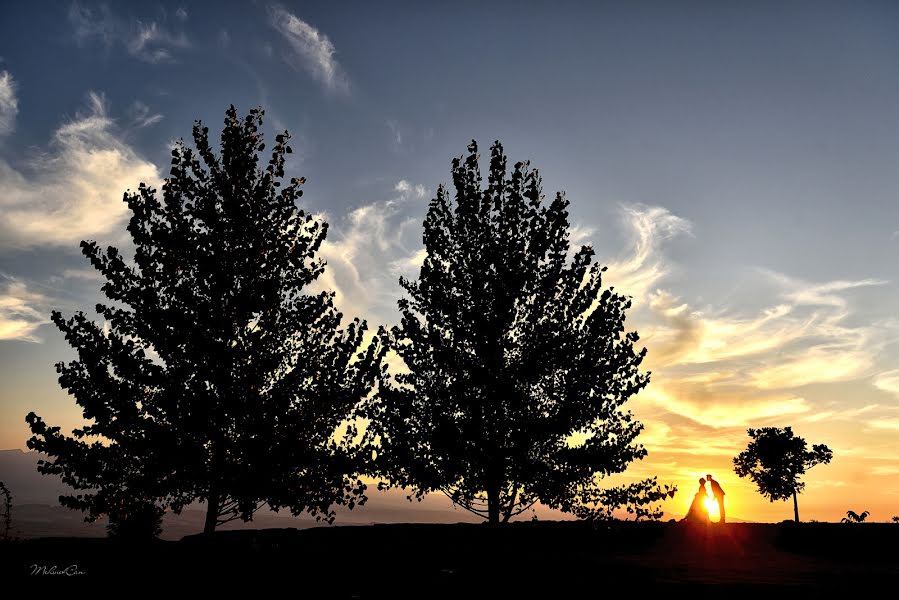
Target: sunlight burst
<point x="712" y="505"/>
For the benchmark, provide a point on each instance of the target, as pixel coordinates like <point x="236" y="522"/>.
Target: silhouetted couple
<point x="699" y="512"/>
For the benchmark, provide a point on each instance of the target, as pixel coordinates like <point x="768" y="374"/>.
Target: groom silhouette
<point x="719" y="496"/>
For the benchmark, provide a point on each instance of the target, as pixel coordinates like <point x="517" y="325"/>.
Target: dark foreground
<point x="405" y="561"/>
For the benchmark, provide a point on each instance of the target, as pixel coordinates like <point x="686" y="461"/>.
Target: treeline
<point x="214" y="376"/>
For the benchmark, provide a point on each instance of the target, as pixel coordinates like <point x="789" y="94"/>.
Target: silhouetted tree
<point x="215" y="377"/>
<point x="518" y="361"/>
<point x="895" y="519"/>
<point x="854" y="517"/>
<point x="775" y="459"/>
<point x="6" y="498"/>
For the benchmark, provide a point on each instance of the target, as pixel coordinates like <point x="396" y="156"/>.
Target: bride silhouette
<point x="698" y="512"/>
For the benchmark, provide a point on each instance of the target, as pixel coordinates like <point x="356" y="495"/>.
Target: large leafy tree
<point x="215" y="376"/>
<point x="517" y="363"/>
<point x="775" y="459"/>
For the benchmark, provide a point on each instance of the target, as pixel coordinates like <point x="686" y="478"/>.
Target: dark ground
<point x="523" y="559"/>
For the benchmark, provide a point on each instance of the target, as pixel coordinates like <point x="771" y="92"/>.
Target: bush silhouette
<point x="854" y="517"/>
<point x="135" y="521"/>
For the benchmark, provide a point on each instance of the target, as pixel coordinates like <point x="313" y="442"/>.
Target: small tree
<point x="215" y="377"/>
<point x="518" y="361"/>
<point x="775" y="459"/>
<point x="6" y="515"/>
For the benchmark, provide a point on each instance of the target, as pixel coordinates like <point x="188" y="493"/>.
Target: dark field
<point x="445" y="560"/>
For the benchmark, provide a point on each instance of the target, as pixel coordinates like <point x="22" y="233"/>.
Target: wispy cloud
<point x="396" y="135"/>
<point x="141" y="115"/>
<point x="726" y="368"/>
<point x="73" y="191"/>
<point x="643" y="265"/>
<point x="888" y="381"/>
<point x="369" y="249"/>
<point x="310" y="50"/>
<point x="22" y="311"/>
<point x="152" y="43"/>
<point x="891" y="424"/>
<point x="147" y="40"/>
<point x="9" y="105"/>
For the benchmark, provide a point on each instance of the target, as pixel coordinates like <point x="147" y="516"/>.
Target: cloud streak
<point x="310" y="50"/>
<point x="9" y="104"/>
<point x="22" y="311"/>
<point x="146" y="40"/>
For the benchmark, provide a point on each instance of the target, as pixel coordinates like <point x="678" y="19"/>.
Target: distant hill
<point x="37" y="513"/>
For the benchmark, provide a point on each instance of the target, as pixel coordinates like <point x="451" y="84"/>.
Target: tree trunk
<point x="212" y="512"/>
<point x="795" y="507"/>
<point x="493" y="504"/>
<point x="507" y="512"/>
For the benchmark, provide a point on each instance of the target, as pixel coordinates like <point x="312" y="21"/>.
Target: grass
<point x="404" y="561"/>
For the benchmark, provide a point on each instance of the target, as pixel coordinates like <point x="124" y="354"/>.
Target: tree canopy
<point x="517" y="364"/>
<point x="214" y="375"/>
<point x="775" y="460"/>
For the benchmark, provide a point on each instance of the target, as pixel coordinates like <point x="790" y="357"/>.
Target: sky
<point x="734" y="165"/>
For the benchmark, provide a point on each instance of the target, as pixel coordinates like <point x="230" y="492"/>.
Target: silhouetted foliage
<point x="895" y="519"/>
<point x="7" y="510"/>
<point x="135" y="520"/>
<point x="854" y="517"/>
<point x="775" y="459"/>
<point x="518" y="361"/>
<point x="216" y="378"/>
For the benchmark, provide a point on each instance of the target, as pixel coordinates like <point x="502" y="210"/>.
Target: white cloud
<point x="888" y="381"/>
<point x="74" y="190"/>
<point x="22" y="311"/>
<point x="370" y="248"/>
<point x="311" y="49"/>
<point x="9" y="105"/>
<point x="149" y="41"/>
<point x="641" y="269"/>
<point x="406" y="188"/>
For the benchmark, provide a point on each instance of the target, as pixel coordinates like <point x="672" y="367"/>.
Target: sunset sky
<point x="736" y="166"/>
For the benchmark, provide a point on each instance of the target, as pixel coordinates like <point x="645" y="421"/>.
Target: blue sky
<point x="733" y="163"/>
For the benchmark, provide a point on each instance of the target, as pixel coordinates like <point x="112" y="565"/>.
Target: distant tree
<point x="6" y="498"/>
<point x="775" y="459"/>
<point x="517" y="361"/>
<point x="854" y="517"/>
<point x="895" y="519"/>
<point x="214" y="377"/>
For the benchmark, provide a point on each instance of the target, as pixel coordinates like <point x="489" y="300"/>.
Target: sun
<point x="712" y="507"/>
